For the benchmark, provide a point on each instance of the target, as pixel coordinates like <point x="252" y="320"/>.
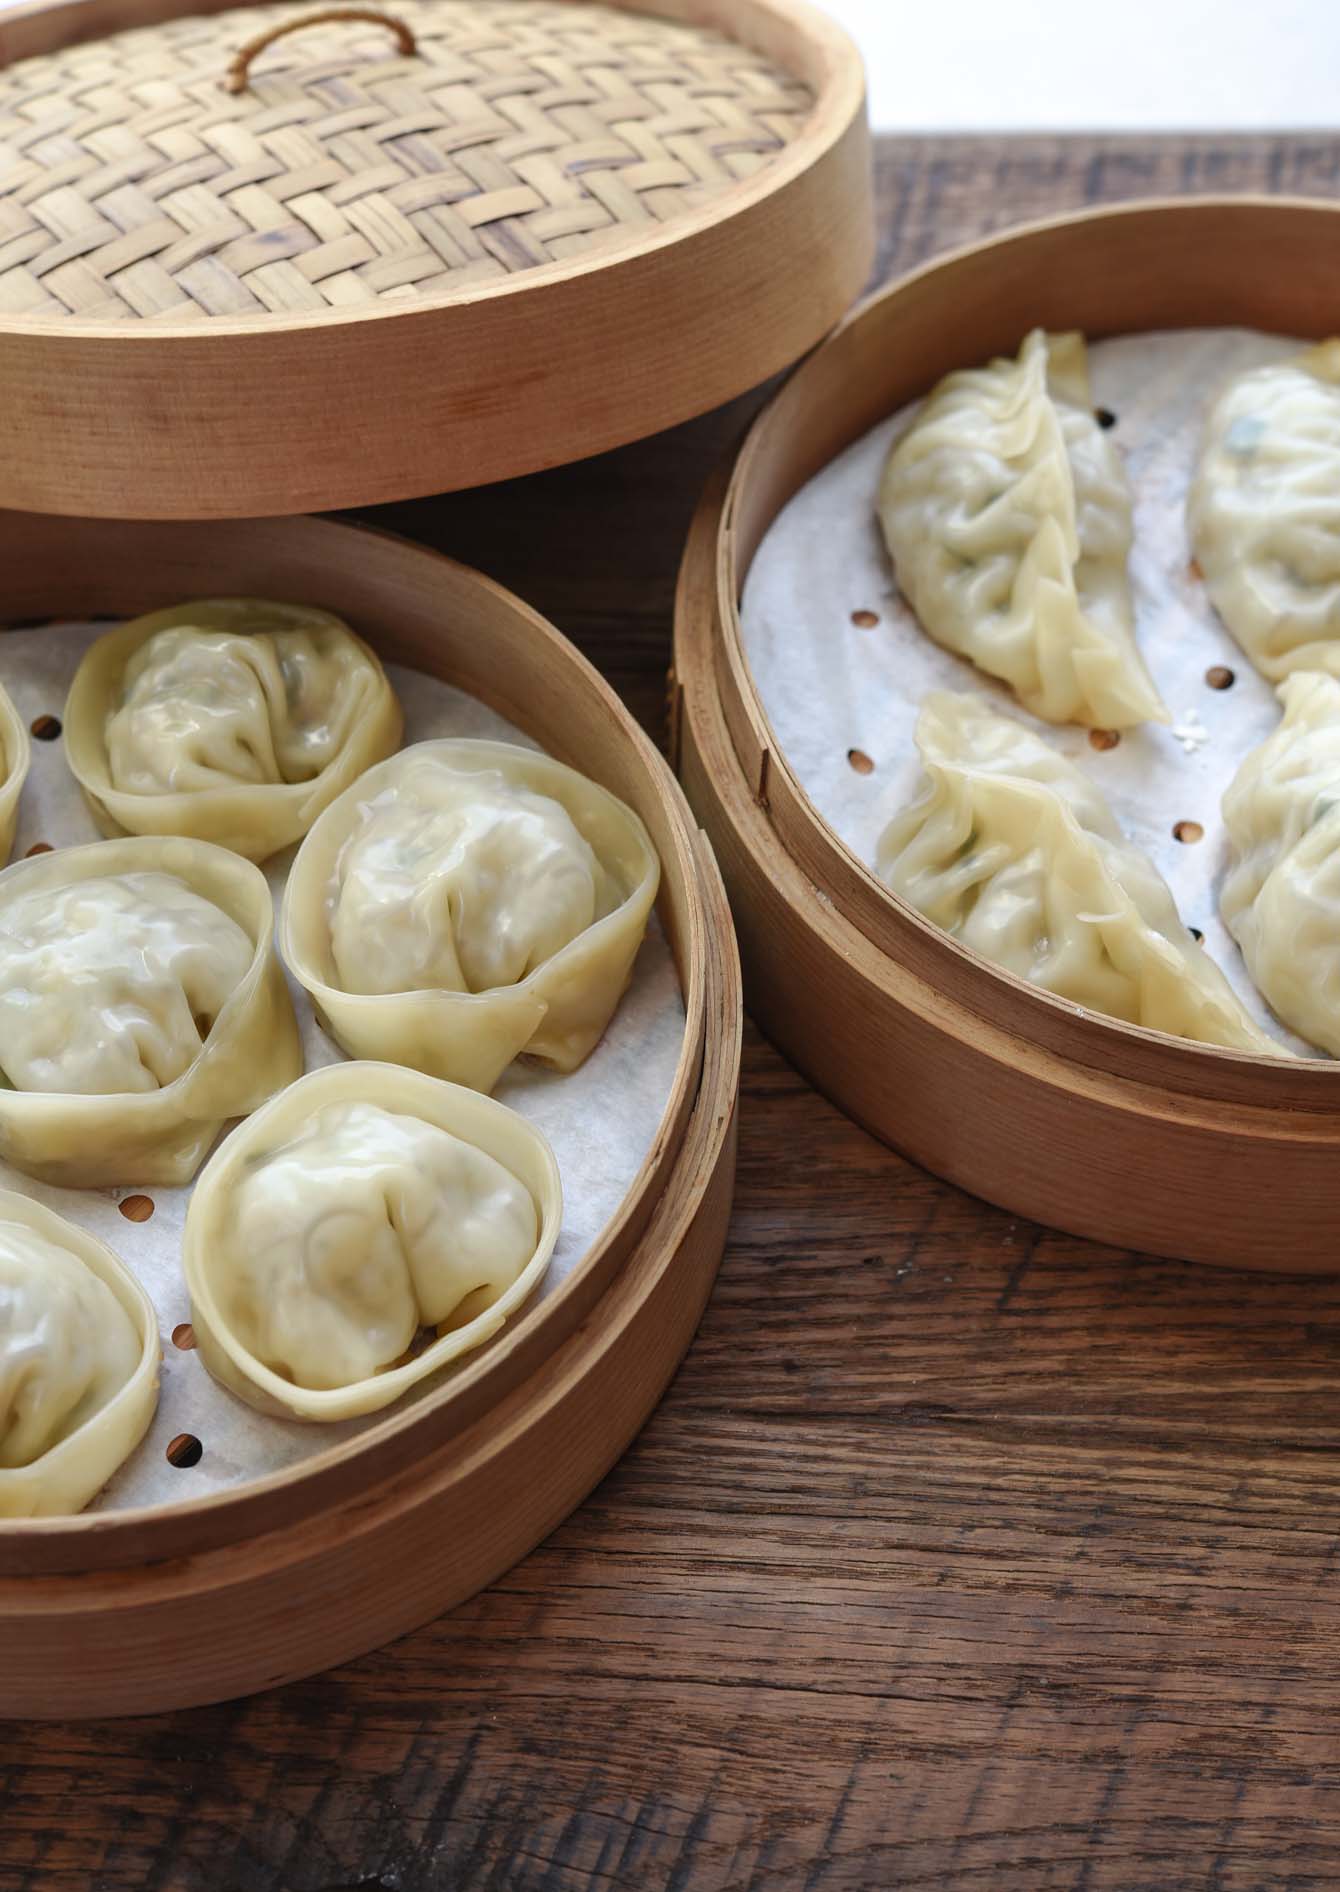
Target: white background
<point x="1096" y="65"/>
<point x="1104" y="65"/>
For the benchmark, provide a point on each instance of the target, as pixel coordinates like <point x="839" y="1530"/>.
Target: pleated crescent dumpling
<point x="79" y="1354"/>
<point x="1264" y="511"/>
<point x="465" y="902"/>
<point x="142" y="1004"/>
<point x="233" y="720"/>
<point x="15" y="756"/>
<point x="1012" y="850"/>
<point x="1007" y="514"/>
<point x="368" y="1226"/>
<point x="1281" y="901"/>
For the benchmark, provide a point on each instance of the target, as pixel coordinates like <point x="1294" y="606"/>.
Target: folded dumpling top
<point x="468" y="901"/>
<point x="79" y="1356"/>
<point x="1281" y="900"/>
<point x="142" y="1004"/>
<point x="233" y="720"/>
<point x="113" y="982"/>
<point x="1264" y="511"/>
<point x="368" y="1226"/>
<point x="1012" y="849"/>
<point x="1008" y="517"/>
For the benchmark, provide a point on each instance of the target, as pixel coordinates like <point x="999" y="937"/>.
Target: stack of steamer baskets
<point x="259" y="262"/>
<point x="1052" y="1110"/>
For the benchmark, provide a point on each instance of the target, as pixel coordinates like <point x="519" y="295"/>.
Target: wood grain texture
<point x="960" y="1555"/>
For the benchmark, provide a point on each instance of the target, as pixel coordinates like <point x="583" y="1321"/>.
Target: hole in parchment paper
<point x="865" y="620"/>
<point x="1197" y="935"/>
<point x="38" y="847"/>
<point x="1105" y="417"/>
<point x="45" y="728"/>
<point x="1104" y="738"/>
<point x="1195" y="570"/>
<point x="1188" y="831"/>
<point x="860" y="761"/>
<point x="184" y="1451"/>
<point x="1220" y="677"/>
<point x="136" y="1208"/>
<point x="183" y="1336"/>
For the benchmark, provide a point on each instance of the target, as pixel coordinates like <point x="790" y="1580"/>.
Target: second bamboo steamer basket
<point x="278" y="259"/>
<point x="139" y="1610"/>
<point x="1093" y="1126"/>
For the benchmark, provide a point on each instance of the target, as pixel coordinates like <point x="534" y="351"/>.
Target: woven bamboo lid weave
<point x="279" y="258"/>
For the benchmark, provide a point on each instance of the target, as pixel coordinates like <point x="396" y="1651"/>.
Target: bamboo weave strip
<point x="132" y="186"/>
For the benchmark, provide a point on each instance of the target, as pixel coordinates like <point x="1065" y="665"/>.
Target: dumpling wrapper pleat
<point x="159" y="1135"/>
<point x="99" y="1384"/>
<point x="1007" y="514"/>
<point x="559" y="1010"/>
<point x="1012" y="850"/>
<point x="1264" y="512"/>
<point x="209" y="1260"/>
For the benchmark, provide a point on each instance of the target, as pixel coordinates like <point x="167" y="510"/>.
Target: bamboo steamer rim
<point x="61" y="578"/>
<point x="778" y="456"/>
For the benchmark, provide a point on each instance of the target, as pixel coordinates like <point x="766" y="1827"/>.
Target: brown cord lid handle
<point x="235" y="80"/>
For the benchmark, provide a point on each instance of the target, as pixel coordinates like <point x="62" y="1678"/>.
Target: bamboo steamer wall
<point x="1097" y="1127"/>
<point x="123" y="1612"/>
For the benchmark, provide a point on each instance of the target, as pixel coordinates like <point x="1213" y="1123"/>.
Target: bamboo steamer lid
<point x="276" y="259"/>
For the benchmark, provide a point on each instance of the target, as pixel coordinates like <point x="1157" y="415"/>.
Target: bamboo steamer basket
<point x="292" y="257"/>
<point x="1105" y="1130"/>
<point x="136" y="1611"/>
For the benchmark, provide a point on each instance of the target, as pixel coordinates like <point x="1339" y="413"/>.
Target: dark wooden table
<point x="961" y="1554"/>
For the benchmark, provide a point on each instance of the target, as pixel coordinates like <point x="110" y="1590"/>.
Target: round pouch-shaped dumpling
<point x="466" y="902"/>
<point x="365" y="1228"/>
<point x="15" y="756"/>
<point x="79" y="1355"/>
<point x="232" y="720"/>
<point x="142" y="1005"/>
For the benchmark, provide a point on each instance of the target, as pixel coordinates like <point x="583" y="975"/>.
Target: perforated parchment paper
<point x="839" y="690"/>
<point x="601" y="1120"/>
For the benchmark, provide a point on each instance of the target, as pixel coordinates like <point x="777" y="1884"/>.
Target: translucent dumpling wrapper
<point x="364" y="1229"/>
<point x="465" y="902"/>
<point x="15" y="756"/>
<point x="232" y="720"/>
<point x="79" y="1354"/>
<point x="1012" y="850"/>
<point x="1281" y="900"/>
<point x="1264" y="511"/>
<point x="1007" y="514"/>
<point x="142" y="1005"/>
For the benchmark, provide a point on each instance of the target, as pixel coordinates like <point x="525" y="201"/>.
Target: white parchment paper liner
<point x="830" y="686"/>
